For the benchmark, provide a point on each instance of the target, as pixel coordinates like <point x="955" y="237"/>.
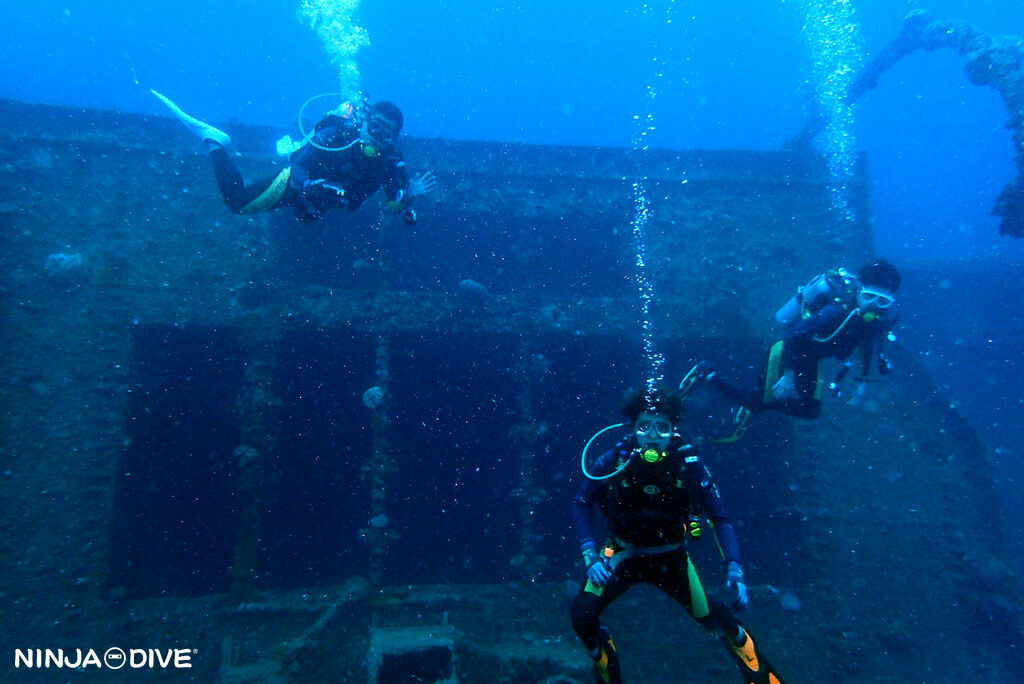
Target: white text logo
<point x="113" y="658"/>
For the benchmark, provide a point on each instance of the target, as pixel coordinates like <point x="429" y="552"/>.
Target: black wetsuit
<point x="346" y="176"/>
<point x="835" y="331"/>
<point x="649" y="506"/>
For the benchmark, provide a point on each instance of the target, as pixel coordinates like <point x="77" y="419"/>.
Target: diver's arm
<point x="299" y="182"/>
<point x="396" y="187"/>
<point x="585" y="505"/>
<point x="799" y="339"/>
<point x="728" y="542"/>
<point x="584" y="514"/>
<point x="821" y="323"/>
<point x="884" y="364"/>
<point x="873" y="346"/>
<point x="307" y="167"/>
<point x="714" y="510"/>
<point x="725" y="536"/>
<point x="868" y="350"/>
<point x="301" y="161"/>
<point x="315" y="179"/>
<point x="867" y="354"/>
<point x="398" y="194"/>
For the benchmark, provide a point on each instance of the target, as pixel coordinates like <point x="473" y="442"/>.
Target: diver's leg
<point x="747" y="403"/>
<point x="807" y="403"/>
<point x="808" y="386"/>
<point x="804" y="407"/>
<point x="751" y="399"/>
<point x="678" y="578"/>
<point x="229" y="179"/>
<point x="586" y="621"/>
<point x="240" y="198"/>
<point x="753" y="666"/>
<point x="747" y="399"/>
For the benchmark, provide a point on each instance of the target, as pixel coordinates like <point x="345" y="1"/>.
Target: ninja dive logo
<point x="112" y="659"/>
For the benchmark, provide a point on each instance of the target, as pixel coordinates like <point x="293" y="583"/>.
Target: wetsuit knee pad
<point x="271" y="195"/>
<point x="699" y="604"/>
<point x="772" y="372"/>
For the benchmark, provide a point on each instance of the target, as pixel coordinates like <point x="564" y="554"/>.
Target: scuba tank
<point x="351" y="111"/>
<point x="790" y="311"/>
<point x="833" y="285"/>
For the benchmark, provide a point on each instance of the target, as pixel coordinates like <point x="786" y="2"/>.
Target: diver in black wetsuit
<point x="831" y="317"/>
<point x="652" y="491"/>
<point x="351" y="153"/>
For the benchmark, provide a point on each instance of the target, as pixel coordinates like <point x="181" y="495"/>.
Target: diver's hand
<point x="422" y="184"/>
<point x="598" y="571"/>
<point x="320" y="189"/>
<point x="859" y="392"/>
<point x="785" y="388"/>
<point x="734" y="584"/>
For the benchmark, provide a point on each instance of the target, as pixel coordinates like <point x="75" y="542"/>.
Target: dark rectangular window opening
<point x="317" y="497"/>
<point x="428" y="664"/>
<point x="173" y="523"/>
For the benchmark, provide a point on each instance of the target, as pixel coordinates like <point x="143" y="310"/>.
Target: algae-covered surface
<point x="271" y="443"/>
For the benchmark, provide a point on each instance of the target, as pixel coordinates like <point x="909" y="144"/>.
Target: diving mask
<point x="660" y="427"/>
<point x="380" y="131"/>
<point x="875" y="298"/>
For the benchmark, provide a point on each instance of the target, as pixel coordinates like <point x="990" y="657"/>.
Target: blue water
<point x="728" y="74"/>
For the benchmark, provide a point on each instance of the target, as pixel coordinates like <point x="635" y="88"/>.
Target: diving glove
<point x="598" y="570"/>
<point x="737" y="589"/>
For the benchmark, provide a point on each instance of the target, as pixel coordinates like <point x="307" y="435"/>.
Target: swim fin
<point x="606" y="660"/>
<point x="753" y="666"/>
<point x="739" y="422"/>
<point x="203" y="130"/>
<point x="688" y="381"/>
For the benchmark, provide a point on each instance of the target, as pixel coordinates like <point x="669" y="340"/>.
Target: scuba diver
<point x="349" y="155"/>
<point x="652" y="490"/>
<point x="831" y="317"/>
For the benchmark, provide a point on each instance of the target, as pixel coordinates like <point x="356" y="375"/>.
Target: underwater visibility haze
<point x="736" y="74"/>
<point x="427" y="410"/>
